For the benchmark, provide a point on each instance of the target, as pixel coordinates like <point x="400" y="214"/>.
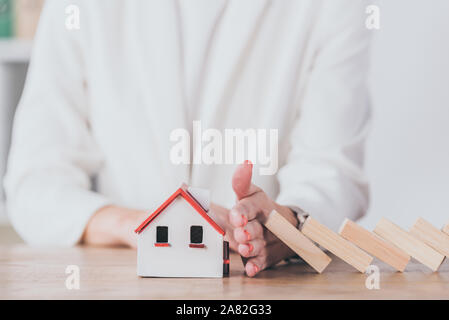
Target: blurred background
<point x="408" y="149"/>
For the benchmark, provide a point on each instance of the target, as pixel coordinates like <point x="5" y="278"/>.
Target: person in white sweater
<point x="101" y="102"/>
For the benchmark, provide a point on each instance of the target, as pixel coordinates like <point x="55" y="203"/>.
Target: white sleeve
<point x="323" y="174"/>
<point x="53" y="154"/>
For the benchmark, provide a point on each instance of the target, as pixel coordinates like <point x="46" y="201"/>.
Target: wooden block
<point x="446" y="229"/>
<point x="296" y="241"/>
<point x="405" y="241"/>
<point x="342" y="248"/>
<point x="374" y="245"/>
<point x="430" y="235"/>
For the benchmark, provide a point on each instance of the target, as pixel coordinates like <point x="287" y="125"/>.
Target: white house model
<point x="179" y="239"/>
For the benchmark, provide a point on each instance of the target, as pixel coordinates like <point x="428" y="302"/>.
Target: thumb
<point x="241" y="180"/>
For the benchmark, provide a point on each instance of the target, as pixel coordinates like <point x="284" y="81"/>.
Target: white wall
<point x="408" y="152"/>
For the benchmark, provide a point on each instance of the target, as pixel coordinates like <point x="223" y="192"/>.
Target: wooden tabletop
<point x="32" y="273"/>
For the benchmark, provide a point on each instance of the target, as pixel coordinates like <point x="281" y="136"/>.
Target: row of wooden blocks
<point x="357" y="246"/>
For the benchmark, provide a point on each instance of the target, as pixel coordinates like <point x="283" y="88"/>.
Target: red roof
<point x="191" y="200"/>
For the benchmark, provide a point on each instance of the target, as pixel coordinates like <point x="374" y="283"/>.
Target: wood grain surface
<point x="32" y="273"/>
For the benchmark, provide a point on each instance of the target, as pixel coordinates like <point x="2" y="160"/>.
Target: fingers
<point x="241" y="180"/>
<point x="247" y="209"/>
<point x="244" y="211"/>
<point x="252" y="238"/>
<point x="254" y="266"/>
<point x="253" y="230"/>
<point x="258" y="247"/>
<point x="252" y="248"/>
<point x="268" y="256"/>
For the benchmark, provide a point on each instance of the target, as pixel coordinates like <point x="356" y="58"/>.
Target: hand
<point x="221" y="216"/>
<point x="113" y="226"/>
<point x="259" y="248"/>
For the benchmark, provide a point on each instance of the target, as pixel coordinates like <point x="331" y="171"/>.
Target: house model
<point x="180" y="239"/>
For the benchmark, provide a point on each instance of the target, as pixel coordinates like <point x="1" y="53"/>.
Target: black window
<point x="162" y="234"/>
<point x="196" y="234"/>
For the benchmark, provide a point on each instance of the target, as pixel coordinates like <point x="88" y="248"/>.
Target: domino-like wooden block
<point x="374" y="245"/>
<point x="296" y="241"/>
<point x="430" y="235"/>
<point x="405" y="241"/>
<point x="446" y="229"/>
<point x="336" y="244"/>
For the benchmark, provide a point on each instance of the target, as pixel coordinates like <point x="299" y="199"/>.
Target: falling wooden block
<point x="446" y="229"/>
<point x="296" y="241"/>
<point x="405" y="241"/>
<point x="374" y="245"/>
<point x="342" y="248"/>
<point x="430" y="235"/>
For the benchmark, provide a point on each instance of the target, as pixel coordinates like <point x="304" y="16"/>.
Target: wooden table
<point x="31" y="273"/>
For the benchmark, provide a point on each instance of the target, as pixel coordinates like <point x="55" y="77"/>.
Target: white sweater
<point x="102" y="101"/>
